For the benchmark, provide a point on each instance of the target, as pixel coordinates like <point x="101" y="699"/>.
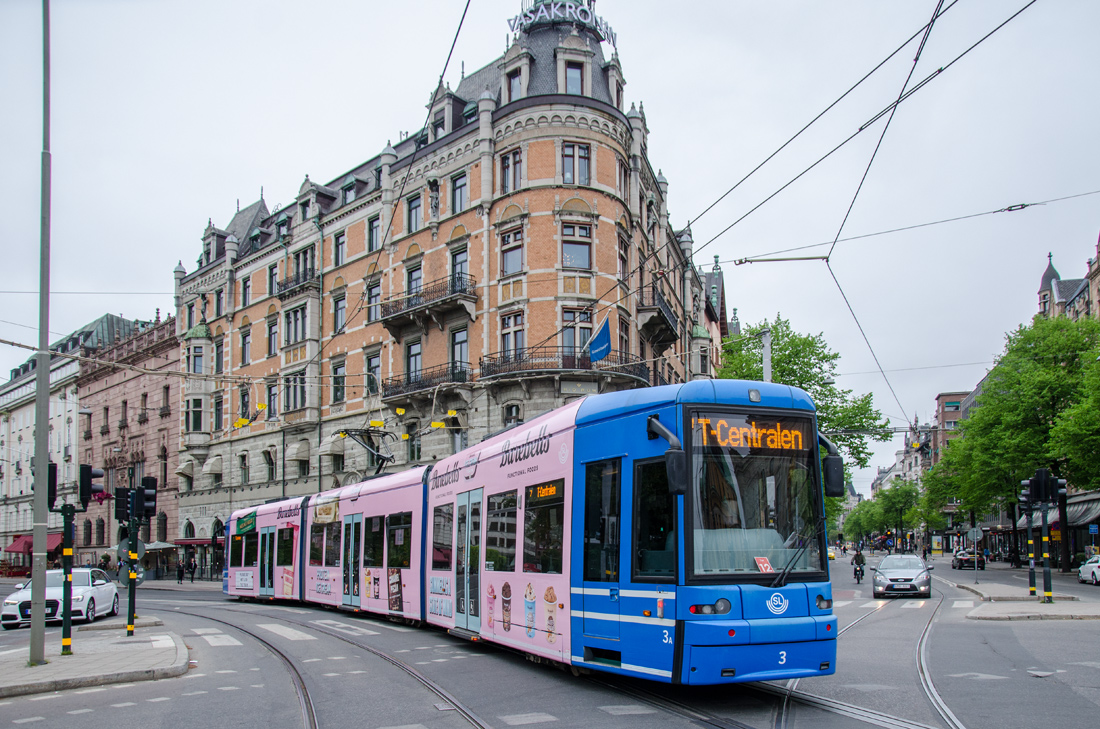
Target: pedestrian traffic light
<point x="147" y="498"/>
<point x="122" y="504"/>
<point x="51" y="484"/>
<point x="88" y="487"/>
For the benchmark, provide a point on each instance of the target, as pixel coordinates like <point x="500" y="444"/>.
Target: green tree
<point x="897" y="503"/>
<point x="805" y="361"/>
<point x="1075" y="437"/>
<point x="864" y="520"/>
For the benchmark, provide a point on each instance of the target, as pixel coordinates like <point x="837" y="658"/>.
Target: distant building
<point x="17" y="434"/>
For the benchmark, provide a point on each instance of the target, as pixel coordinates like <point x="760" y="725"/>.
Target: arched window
<point x="163" y="467"/>
<point x="99" y="531"/>
<point x="218" y="529"/>
<point x="188" y="531"/>
<point x="162" y="527"/>
<point x="87" y="532"/>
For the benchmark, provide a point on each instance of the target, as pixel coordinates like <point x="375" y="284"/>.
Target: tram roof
<point x="718" y="392"/>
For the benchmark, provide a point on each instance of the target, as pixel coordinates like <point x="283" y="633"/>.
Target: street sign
<point x="1094" y="528"/>
<point x="124" y="574"/>
<point x="124" y="550"/>
<point x="975" y="534"/>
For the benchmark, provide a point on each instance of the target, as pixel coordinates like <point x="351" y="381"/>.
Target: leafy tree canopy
<point x="805" y="361"/>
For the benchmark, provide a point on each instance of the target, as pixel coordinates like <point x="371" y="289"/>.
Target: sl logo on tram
<point x="777" y="604"/>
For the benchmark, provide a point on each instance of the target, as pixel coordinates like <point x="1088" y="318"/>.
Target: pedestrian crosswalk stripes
<point x="286" y="632"/>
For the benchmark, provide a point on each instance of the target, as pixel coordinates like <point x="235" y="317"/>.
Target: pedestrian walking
<point x="191" y="567"/>
<point x="924" y="553"/>
<point x="179" y="571"/>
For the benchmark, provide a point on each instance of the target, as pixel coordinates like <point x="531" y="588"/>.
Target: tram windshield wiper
<point x="781" y="578"/>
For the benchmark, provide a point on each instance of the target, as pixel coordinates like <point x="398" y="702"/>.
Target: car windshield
<point x="57" y="579"/>
<point x="755" y="499"/>
<point x="901" y="563"/>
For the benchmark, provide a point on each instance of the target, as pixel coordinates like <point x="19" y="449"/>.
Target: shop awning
<point x="1080" y="513"/>
<point x="186" y="468"/>
<point x="212" y="465"/>
<point x="197" y="541"/>
<point x="298" y="451"/>
<point x="24" y="543"/>
<point x="334" y="446"/>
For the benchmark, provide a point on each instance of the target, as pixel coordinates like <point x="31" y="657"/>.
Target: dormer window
<point x="469" y="113"/>
<point x="348" y="190"/>
<point x="574" y="75"/>
<point x="282" y="226"/>
<point x="439" y="124"/>
<point x="515" y="86"/>
<point x="305" y="209"/>
<point x="254" y="239"/>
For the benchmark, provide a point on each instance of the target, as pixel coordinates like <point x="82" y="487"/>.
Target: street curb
<point x="1032" y="616"/>
<point x="178" y="668"/>
<point x="1009" y="598"/>
<point x="139" y="623"/>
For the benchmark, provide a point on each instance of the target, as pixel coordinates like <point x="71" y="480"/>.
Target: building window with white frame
<point x="374" y="234"/>
<point x="246" y="292"/>
<point x="574" y="78"/>
<point x="574" y="163"/>
<point x="272" y="279"/>
<point x="460" y="195"/>
<point x="295" y="325"/>
<point x="219" y="302"/>
<point x="576" y="330"/>
<point x="269" y="461"/>
<point x="513" y="336"/>
<point x="295" y="391"/>
<point x="246" y="346"/>
<point x="412" y="434"/>
<point x="576" y="246"/>
<point x="246" y="408"/>
<point x="272" y="336"/>
<point x="194" y="415"/>
<point x="413" y="361"/>
<point x="374" y="301"/>
<point x="339" y="373"/>
<point x="624" y="260"/>
<point x="460" y="263"/>
<point x="272" y="401"/>
<point x="511" y="252"/>
<point x="624" y="336"/>
<point x="243" y="458"/>
<point x="339" y="249"/>
<point x="460" y="349"/>
<point x="515" y="85"/>
<point x="511" y="171"/>
<point x="513" y="415"/>
<point x="348" y="193"/>
<point x="339" y="314"/>
<point x="373" y="373"/>
<point x="219" y="417"/>
<point x="416" y="217"/>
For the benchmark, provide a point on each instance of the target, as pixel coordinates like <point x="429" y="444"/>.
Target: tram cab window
<point x="654" y="524"/>
<point x="500" y="535"/>
<point x="374" y="542"/>
<point x="601" y="521"/>
<point x="442" y="531"/>
<point x="543" y="527"/>
<point x="236" y="551"/>
<point x="284" y="550"/>
<point x="399" y="540"/>
<point x="251" y="549"/>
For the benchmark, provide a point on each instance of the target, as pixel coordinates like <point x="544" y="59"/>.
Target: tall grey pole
<point x="766" y="340"/>
<point x="42" y="376"/>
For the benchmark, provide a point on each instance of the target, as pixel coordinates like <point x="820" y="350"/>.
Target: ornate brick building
<point x="443" y="290"/>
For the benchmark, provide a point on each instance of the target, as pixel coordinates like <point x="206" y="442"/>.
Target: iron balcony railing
<point x="453" y="373"/>
<point x="458" y="284"/>
<point x="537" y="359"/>
<point x="651" y="298"/>
<point x="302" y="277"/>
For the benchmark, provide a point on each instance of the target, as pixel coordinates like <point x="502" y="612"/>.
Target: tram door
<point x="602" y="517"/>
<point x="353" y="547"/>
<point x="467" y="561"/>
<point x="267" y="561"/>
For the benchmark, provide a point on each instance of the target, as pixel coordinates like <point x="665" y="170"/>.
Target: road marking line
<point x="159" y="698"/>
<point x="343" y="627"/>
<point x="81" y="711"/>
<point x="221" y="640"/>
<point x="873" y="603"/>
<point x="286" y="632"/>
<point x="122" y="705"/>
<point x="228" y="670"/>
<point x="32" y="718"/>
<point x="523" y="719"/>
<point x="193" y="693"/>
<point x="205" y="631"/>
<point x="913" y="605"/>
<point x="963" y="604"/>
<point x="229" y="688"/>
<point x="841" y="604"/>
<point x="627" y="710"/>
<point x="329" y="675"/>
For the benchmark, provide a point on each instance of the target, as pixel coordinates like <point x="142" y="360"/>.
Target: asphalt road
<point x="989" y="674"/>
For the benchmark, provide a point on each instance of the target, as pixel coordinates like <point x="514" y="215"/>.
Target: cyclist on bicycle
<point x="858" y="560"/>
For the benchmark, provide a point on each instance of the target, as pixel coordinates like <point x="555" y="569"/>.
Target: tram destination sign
<point x="549" y="11"/>
<point x="738" y="430"/>
<point x="545" y="493"/>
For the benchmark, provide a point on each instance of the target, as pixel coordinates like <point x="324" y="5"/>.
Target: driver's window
<point x="654" y="524"/>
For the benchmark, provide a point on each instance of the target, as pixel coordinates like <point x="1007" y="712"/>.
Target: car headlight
<point x="879" y="578"/>
<point x="9" y="601"/>
<point x="78" y="598"/>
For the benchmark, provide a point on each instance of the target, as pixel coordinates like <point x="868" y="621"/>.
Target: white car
<point x="1090" y="570"/>
<point x="93" y="594"/>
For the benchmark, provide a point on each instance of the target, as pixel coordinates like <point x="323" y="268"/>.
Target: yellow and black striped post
<point x="1030" y="554"/>
<point x="68" y="513"/>
<point x="1048" y="593"/>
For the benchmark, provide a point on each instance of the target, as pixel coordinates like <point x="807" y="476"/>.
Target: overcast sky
<point x="166" y="113"/>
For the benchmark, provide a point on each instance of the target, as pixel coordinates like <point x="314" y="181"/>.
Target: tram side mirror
<point x="676" y="469"/>
<point x="833" y="471"/>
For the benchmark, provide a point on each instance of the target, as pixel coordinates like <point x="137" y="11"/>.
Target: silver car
<point x="93" y="594"/>
<point x="902" y="574"/>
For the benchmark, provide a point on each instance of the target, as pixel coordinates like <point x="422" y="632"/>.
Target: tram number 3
<point x="666" y="638"/>
<point x="782" y="657"/>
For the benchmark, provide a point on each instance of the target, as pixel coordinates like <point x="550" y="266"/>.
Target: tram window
<point x="543" y="526"/>
<point x="654" y="524"/>
<point x="332" y="544"/>
<point x="284" y="552"/>
<point x="442" y="531"/>
<point x="601" y="521"/>
<point x="500" y="537"/>
<point x="399" y="540"/>
<point x="236" y="558"/>
<point x="251" y="549"/>
<point x="374" y="542"/>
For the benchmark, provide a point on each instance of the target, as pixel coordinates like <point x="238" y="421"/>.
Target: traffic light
<point x="1043" y="487"/>
<point x="122" y="504"/>
<point x="87" y="488"/>
<point x="51" y="484"/>
<point x="147" y="498"/>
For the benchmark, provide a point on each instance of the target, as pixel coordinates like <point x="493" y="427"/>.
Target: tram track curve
<point x="460" y="708"/>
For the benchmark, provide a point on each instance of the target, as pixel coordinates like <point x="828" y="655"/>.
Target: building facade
<point x="129" y="427"/>
<point x="443" y="290"/>
<point x="17" y="436"/>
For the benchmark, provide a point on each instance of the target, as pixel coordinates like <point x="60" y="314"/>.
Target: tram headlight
<point x="720" y="607"/>
<point x="824" y="603"/>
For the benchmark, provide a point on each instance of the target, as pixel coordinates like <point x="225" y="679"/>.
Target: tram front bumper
<point x="732" y="651"/>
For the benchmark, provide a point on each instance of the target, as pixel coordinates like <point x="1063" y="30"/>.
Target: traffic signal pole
<point x="1030" y="554"/>
<point x="68" y="512"/>
<point x="1048" y="592"/>
<point x="135" y="520"/>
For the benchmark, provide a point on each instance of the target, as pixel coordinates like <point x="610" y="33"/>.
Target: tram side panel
<point x="263" y="559"/>
<point x="499" y="538"/>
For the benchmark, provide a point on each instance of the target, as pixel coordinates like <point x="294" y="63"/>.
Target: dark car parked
<point x="964" y="559"/>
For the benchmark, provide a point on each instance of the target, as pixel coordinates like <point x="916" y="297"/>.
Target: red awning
<point x="23" y="544"/>
<point x="20" y="545"/>
<point x="197" y="542"/>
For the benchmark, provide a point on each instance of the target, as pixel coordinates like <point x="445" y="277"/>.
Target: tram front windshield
<point x="755" y="498"/>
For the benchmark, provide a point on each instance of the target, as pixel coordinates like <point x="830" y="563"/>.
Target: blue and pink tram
<point x="673" y="533"/>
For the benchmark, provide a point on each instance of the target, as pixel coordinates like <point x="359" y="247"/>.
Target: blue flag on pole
<point x="600" y="344"/>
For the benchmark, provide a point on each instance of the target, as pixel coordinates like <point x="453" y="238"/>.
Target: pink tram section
<point x="358" y="547"/>
<point x="499" y="535"/>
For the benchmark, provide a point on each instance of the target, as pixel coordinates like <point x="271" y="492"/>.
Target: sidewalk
<point x="1012" y="602"/>
<point x="101" y="655"/>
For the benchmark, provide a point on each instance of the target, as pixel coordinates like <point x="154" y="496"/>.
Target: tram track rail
<point x="460" y="708"/>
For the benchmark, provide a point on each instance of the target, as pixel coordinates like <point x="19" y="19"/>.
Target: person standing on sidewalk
<point x="179" y="571"/>
<point x="191" y="568"/>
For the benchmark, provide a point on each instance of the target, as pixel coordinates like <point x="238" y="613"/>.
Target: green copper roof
<point x="199" y="331"/>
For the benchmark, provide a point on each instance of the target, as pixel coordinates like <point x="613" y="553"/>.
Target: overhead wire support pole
<point x="42" y="376"/>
